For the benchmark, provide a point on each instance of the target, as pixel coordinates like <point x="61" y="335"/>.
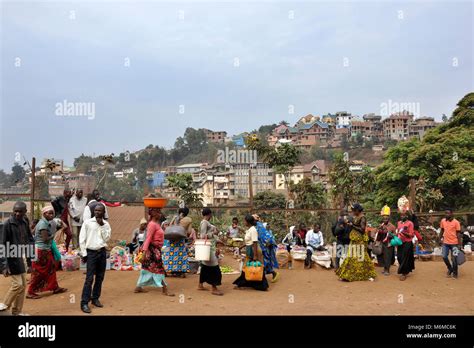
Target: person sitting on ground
<point x="302" y="230"/>
<point x="292" y="239"/>
<point x="138" y="236"/>
<point x="314" y="242"/>
<point x="234" y="230"/>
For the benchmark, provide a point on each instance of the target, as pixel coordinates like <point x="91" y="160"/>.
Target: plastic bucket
<point x="202" y="249"/>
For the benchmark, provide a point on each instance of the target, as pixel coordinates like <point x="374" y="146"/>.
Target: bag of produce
<point x="254" y="271"/>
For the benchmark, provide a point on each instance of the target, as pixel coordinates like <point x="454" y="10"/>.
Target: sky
<point x="147" y="70"/>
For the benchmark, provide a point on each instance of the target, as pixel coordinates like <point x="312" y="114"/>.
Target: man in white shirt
<point x="314" y="241"/>
<point x="77" y="204"/>
<point x="95" y="233"/>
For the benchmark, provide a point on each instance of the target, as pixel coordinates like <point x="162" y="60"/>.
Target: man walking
<point x="95" y="233"/>
<point x="16" y="234"/>
<point x="77" y="204"/>
<point x="451" y="238"/>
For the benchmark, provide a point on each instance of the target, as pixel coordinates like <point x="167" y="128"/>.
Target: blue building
<point x="157" y="179"/>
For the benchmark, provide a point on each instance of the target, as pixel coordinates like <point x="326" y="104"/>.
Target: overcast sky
<point x="151" y="69"/>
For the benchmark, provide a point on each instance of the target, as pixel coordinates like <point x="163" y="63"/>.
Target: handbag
<point x="377" y="248"/>
<point x="175" y="231"/>
<point x="395" y="241"/>
<point x="254" y="271"/>
<point x="460" y="257"/>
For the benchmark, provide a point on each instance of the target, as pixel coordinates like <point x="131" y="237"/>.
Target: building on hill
<point x="307" y="132"/>
<point x="262" y="178"/>
<point x="316" y="171"/>
<point x="397" y="126"/>
<point x="239" y="139"/>
<point x="156" y="179"/>
<point x="420" y="126"/>
<point x="330" y="119"/>
<point x="190" y="168"/>
<point x="356" y="166"/>
<point x="343" y="119"/>
<point x="215" y="137"/>
<point x="81" y="181"/>
<point x="224" y="187"/>
<point x="308" y="119"/>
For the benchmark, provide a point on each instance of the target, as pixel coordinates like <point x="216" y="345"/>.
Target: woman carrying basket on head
<point x="152" y="272"/>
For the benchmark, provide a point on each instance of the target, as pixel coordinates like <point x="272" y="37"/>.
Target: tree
<point x="17" y="175"/>
<point x="342" y="182"/>
<point x="281" y="158"/>
<point x="308" y="195"/>
<point x="444" y="118"/>
<point x="443" y="158"/>
<point x="183" y="183"/>
<point x="268" y="200"/>
<point x="359" y="139"/>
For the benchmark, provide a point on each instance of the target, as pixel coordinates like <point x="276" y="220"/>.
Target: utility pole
<point x="250" y="187"/>
<point x="32" y="191"/>
<point x="412" y="194"/>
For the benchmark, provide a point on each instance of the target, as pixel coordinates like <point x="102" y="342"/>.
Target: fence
<point x="279" y="220"/>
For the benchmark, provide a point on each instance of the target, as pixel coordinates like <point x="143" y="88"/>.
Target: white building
<point x="343" y="119"/>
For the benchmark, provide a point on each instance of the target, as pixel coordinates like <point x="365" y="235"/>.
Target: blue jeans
<point x="445" y="252"/>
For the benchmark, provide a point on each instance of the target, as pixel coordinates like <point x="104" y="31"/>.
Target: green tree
<point x="443" y="158"/>
<point x="342" y="182"/>
<point x="18" y="174"/>
<point x="183" y="183"/>
<point x="269" y="199"/>
<point x="308" y="195"/>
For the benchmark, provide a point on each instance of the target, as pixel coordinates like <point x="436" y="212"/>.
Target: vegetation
<point x="442" y="164"/>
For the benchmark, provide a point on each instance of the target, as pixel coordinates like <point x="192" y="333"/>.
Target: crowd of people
<point x="161" y="258"/>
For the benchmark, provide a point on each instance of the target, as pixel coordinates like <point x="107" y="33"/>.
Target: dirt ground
<point x="317" y="291"/>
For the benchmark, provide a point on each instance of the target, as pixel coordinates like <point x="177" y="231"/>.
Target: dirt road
<point x="304" y="292"/>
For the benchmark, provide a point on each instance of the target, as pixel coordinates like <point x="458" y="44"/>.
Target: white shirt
<point x="76" y="209"/>
<point x="251" y="236"/>
<point x="94" y="236"/>
<point x="88" y="214"/>
<point x="314" y="238"/>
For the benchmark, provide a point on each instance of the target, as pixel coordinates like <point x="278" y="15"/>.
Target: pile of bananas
<point x="226" y="269"/>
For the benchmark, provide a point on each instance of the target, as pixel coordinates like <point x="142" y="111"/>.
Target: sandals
<point x="33" y="296"/>
<point x="59" y="290"/>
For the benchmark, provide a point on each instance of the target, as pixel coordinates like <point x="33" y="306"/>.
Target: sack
<point x="377" y="248"/>
<point x="282" y="256"/>
<point x="460" y="257"/>
<point x="175" y="231"/>
<point x="254" y="272"/>
<point x="60" y="237"/>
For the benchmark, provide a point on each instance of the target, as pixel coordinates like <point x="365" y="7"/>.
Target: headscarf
<point x="47" y="208"/>
<point x="143" y="221"/>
